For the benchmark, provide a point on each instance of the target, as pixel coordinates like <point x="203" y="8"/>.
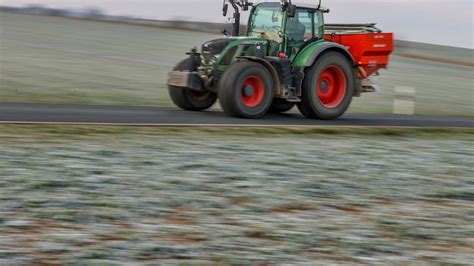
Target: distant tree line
<point x="91" y="12"/>
<point x="96" y="13"/>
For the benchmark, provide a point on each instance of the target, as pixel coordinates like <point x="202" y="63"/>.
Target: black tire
<point x="187" y="99"/>
<point x="280" y="106"/>
<point x="339" y="87"/>
<point x="246" y="77"/>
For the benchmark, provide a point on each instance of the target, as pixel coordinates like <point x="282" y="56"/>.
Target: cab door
<point x="298" y="30"/>
<point x="313" y="23"/>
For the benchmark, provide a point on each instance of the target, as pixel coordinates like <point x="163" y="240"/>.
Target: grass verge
<point x="213" y="132"/>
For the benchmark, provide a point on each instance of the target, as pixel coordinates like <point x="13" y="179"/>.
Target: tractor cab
<point x="280" y="29"/>
<point x="289" y="27"/>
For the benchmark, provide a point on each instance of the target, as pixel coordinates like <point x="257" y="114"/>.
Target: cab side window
<point x="318" y="25"/>
<point x="306" y="19"/>
<point x="300" y="27"/>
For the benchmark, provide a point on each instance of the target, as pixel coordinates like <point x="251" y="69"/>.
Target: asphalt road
<point x="159" y="116"/>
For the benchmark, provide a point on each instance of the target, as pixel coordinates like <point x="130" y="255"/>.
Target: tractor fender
<point x="278" y="89"/>
<point x="308" y="56"/>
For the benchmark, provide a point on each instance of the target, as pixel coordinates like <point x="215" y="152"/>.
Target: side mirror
<point x="291" y="11"/>
<point x="245" y="5"/>
<point x="224" y="9"/>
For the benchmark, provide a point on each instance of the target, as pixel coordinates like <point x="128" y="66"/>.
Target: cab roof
<point x="297" y="3"/>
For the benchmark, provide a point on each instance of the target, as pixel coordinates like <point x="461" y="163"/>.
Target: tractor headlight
<point x="212" y="49"/>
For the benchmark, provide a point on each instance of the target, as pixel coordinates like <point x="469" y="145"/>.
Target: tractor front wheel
<point x="328" y="88"/>
<point x="187" y="99"/>
<point x="246" y="90"/>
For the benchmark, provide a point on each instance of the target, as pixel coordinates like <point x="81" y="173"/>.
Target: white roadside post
<point x="404" y="103"/>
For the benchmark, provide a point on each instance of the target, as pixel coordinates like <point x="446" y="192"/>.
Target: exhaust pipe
<point x="244" y="5"/>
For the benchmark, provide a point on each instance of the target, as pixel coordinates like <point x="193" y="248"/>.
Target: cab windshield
<point x="267" y="19"/>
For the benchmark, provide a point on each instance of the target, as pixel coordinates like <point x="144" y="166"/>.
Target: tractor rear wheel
<point x="280" y="106"/>
<point x="187" y="99"/>
<point x="246" y="90"/>
<point x="328" y="88"/>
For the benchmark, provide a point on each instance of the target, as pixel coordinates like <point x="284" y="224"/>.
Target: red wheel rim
<point x="253" y="91"/>
<point x="331" y="87"/>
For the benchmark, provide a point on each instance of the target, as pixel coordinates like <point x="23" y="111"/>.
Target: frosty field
<point x="108" y="195"/>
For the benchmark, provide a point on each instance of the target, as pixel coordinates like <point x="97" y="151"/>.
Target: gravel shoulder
<point x="111" y="195"/>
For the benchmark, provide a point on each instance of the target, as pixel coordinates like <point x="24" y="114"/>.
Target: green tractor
<point x="284" y="59"/>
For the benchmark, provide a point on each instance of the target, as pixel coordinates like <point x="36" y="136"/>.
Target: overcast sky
<point x="448" y="22"/>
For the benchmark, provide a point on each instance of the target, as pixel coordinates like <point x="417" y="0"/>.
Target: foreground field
<point x="57" y="60"/>
<point x="125" y="195"/>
